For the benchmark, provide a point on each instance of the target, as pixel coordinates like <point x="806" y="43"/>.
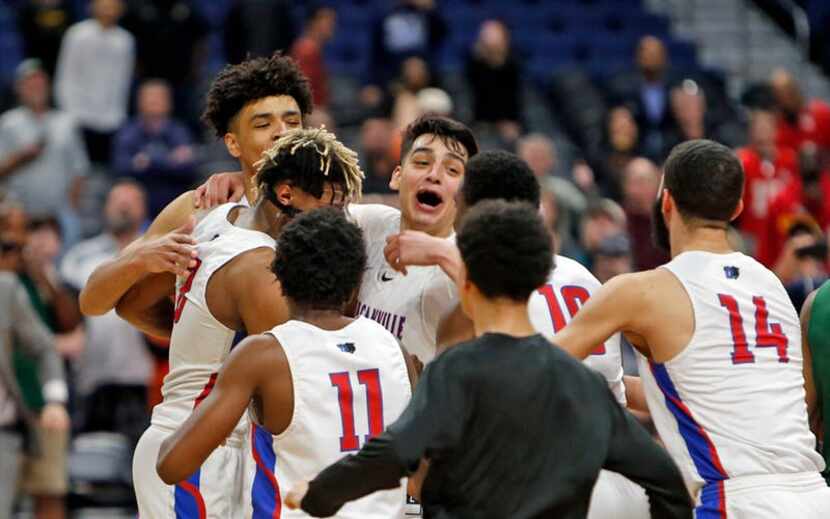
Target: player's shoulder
<point x="570" y="271"/>
<point x="375" y="219"/>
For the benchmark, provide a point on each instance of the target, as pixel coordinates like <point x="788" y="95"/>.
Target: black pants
<point x="117" y="408"/>
<point x="98" y="146"/>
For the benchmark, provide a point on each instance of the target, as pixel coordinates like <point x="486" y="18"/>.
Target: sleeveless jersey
<point x="731" y="404"/>
<point x="349" y="384"/>
<point x="409" y="306"/>
<point x="199" y="342"/>
<point x="553" y="306"/>
<point x="818" y="334"/>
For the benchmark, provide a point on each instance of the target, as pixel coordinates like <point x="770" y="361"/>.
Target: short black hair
<point x="46" y="221"/>
<point x="253" y="79"/>
<point x="506" y="248"/>
<point x="705" y="179"/>
<point x="320" y="259"/>
<point x="442" y="127"/>
<point x="497" y="174"/>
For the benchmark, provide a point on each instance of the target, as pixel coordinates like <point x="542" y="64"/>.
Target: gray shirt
<point x="115" y="352"/>
<point x="42" y="184"/>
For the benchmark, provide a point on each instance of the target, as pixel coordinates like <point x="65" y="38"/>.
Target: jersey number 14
<point x="767" y="335"/>
<point x="374" y="405"/>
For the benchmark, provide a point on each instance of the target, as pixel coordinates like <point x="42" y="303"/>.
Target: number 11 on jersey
<point x="374" y="405"/>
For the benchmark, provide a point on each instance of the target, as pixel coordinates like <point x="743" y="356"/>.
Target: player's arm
<point x="256" y="292"/>
<point x="166" y="247"/>
<point x="245" y="370"/>
<point x="614" y="307"/>
<point x="453" y="329"/>
<point x="411" y="248"/>
<point x="632" y="453"/>
<point x="813" y="407"/>
<point x="148" y="305"/>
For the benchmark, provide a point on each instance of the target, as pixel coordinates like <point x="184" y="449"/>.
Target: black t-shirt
<point x="513" y="427"/>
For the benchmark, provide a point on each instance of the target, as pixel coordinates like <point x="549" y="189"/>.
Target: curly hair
<point x="309" y="158"/>
<point x="496" y="174"/>
<point x="320" y="259"/>
<point x="506" y="249"/>
<point x="253" y="79"/>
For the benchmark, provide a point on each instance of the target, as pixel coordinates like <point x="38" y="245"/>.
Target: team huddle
<point x="402" y="363"/>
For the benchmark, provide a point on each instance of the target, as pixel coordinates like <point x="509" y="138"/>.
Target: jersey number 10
<point x="374" y="405"/>
<point x="766" y="335"/>
<point x="575" y="297"/>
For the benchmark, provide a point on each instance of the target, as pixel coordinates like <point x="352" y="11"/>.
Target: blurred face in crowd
<point x="427" y="180"/>
<point x="622" y="129"/>
<point x="494" y="42"/>
<point x="33" y="90"/>
<point x="415" y="74"/>
<point x="787" y="93"/>
<point x="598" y="227"/>
<point x="324" y="22"/>
<point x="762" y="132"/>
<point x="154" y="100"/>
<point x="125" y="210"/>
<point x="640" y="184"/>
<point x="13" y="238"/>
<point x="607" y="267"/>
<point x="689" y="108"/>
<point x="538" y="152"/>
<point x="651" y="57"/>
<point x="258" y="125"/>
<point x="107" y="12"/>
<point x="45" y="243"/>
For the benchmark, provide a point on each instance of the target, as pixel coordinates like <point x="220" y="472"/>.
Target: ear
<point x="395" y="181"/>
<point x="285" y="194"/>
<point x="667" y="203"/>
<point x="738" y="210"/>
<point x="232" y="145"/>
<point x="465" y="292"/>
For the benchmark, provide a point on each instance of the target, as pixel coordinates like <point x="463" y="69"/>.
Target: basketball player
<point x="721" y="359"/>
<point x="318" y="384"/>
<point x="249" y="105"/>
<point x="493" y="175"/>
<point x="230" y="290"/>
<point x="815" y="316"/>
<point x="434" y="152"/>
<point x="514" y="428"/>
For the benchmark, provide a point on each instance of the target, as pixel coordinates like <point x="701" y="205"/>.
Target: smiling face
<point x="258" y="125"/>
<point x="427" y="181"/>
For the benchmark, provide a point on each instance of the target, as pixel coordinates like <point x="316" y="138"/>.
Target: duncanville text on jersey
<point x="392" y="322"/>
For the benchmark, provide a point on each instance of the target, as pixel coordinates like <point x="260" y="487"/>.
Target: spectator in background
<point x="800" y="123"/>
<point x="612" y="257"/>
<point x="621" y="144"/>
<point x="641" y="181"/>
<point x="43" y="477"/>
<point x="411" y="28"/>
<point x="602" y="219"/>
<point x="155" y="149"/>
<point x="171" y="44"/>
<point x="257" y="28"/>
<point x="689" y="108"/>
<point x="802" y="266"/>
<point x="42" y="24"/>
<point x="494" y="78"/>
<point x="19" y="424"/>
<point x="772" y="188"/>
<point x="95" y="68"/>
<point x="415" y="76"/>
<point x="376" y="137"/>
<point x="42" y="156"/>
<point x="115" y="367"/>
<point x="307" y="51"/>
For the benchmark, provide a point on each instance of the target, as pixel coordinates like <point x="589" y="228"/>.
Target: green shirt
<point x="818" y="336"/>
<point x="25" y="368"/>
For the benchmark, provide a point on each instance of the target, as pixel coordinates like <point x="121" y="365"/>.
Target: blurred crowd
<point x="102" y="131"/>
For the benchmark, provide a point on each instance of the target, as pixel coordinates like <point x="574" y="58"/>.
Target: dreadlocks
<point x="308" y="159"/>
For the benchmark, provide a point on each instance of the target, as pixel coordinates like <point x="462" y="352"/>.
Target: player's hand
<point x="413" y="248"/>
<point x="219" y="189"/>
<point x="295" y="496"/>
<point x="174" y="252"/>
<point x="54" y="417"/>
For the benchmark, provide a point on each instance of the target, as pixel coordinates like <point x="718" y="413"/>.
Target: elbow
<point x="165" y="468"/>
<point x="88" y="306"/>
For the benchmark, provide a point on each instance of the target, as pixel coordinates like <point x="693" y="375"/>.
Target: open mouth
<point x="428" y="198"/>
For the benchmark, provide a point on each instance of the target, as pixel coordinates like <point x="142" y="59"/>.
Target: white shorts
<point x="214" y="491"/>
<point x="777" y="496"/>
<point x="615" y="497"/>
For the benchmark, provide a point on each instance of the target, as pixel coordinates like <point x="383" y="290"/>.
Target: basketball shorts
<point x="615" y="497"/>
<point x="214" y="491"/>
<point x="775" y="496"/>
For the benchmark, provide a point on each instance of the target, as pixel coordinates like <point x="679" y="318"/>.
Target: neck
<point x="440" y="230"/>
<point x="322" y="318"/>
<point x="251" y="189"/>
<point x="263" y="217"/>
<point x="504" y="316"/>
<point x="699" y="238"/>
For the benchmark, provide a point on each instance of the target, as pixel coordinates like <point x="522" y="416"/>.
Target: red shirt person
<point x="307" y="51"/>
<point x="800" y="122"/>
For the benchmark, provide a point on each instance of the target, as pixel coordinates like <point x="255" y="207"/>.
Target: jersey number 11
<point x="374" y="405"/>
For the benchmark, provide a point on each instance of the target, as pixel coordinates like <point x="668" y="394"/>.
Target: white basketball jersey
<point x="731" y="404"/>
<point x="553" y="306"/>
<point x="349" y="384"/>
<point x="199" y="342"/>
<point x="410" y="306"/>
